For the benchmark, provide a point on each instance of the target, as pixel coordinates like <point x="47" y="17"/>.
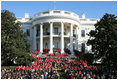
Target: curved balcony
<point x="56" y="13"/>
<point x="47" y="34"/>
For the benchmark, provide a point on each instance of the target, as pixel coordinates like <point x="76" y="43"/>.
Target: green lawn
<point x="8" y="67"/>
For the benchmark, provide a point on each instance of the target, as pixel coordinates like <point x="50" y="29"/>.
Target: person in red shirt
<point x="71" y="76"/>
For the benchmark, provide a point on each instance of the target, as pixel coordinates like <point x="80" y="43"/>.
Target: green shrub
<point x="63" y="76"/>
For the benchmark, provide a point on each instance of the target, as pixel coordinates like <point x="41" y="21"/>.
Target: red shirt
<point x="71" y="76"/>
<point x="79" y="72"/>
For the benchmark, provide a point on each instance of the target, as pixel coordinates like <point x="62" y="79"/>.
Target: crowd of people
<point x="51" y="66"/>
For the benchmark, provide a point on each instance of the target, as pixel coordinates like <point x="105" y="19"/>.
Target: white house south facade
<point x="57" y="29"/>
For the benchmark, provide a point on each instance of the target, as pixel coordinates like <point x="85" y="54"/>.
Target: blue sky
<point x="92" y="9"/>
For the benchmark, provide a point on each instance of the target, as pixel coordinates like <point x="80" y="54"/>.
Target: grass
<point x="8" y="67"/>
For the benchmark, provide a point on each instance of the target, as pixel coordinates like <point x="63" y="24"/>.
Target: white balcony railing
<point x="58" y="34"/>
<point x="55" y="12"/>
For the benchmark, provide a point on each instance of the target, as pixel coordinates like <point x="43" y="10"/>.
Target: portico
<point x="58" y="31"/>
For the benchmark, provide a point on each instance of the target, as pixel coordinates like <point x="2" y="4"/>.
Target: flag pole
<point x="54" y="5"/>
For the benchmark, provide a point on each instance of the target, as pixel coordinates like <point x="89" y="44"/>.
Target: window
<point x="38" y="33"/>
<point x="37" y="46"/>
<point x="83" y="33"/>
<point x="46" y="45"/>
<point x="65" y="32"/>
<point x="83" y="47"/>
<point x="66" y="12"/>
<point x="55" y="44"/>
<point x="46" y="12"/>
<point x="56" y="11"/>
<point x="46" y="30"/>
<point x="28" y="32"/>
<point x="74" y="35"/>
<point x="65" y="45"/>
<point x="55" y="30"/>
<point x="73" y="31"/>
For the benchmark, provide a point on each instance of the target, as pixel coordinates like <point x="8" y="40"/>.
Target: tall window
<point x="28" y="32"/>
<point x="37" y="46"/>
<point x="73" y="32"/>
<point x="65" y="45"/>
<point x="38" y="33"/>
<point x="83" y="47"/>
<point x="83" y="33"/>
<point x="55" y="44"/>
<point x="46" y="45"/>
<point x="46" y="30"/>
<point x="55" y="30"/>
<point x="65" y="32"/>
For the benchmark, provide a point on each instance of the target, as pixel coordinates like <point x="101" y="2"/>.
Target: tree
<point x="104" y="40"/>
<point x="13" y="40"/>
<point x="86" y="57"/>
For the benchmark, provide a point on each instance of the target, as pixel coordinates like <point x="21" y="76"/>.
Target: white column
<point x="71" y="39"/>
<point x="77" y="38"/>
<point x="51" y="38"/>
<point x="87" y="37"/>
<point x="34" y="38"/>
<point x="31" y="38"/>
<point x="62" y="37"/>
<point x="41" y="38"/>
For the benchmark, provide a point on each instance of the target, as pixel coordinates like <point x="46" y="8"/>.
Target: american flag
<point x="54" y="2"/>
